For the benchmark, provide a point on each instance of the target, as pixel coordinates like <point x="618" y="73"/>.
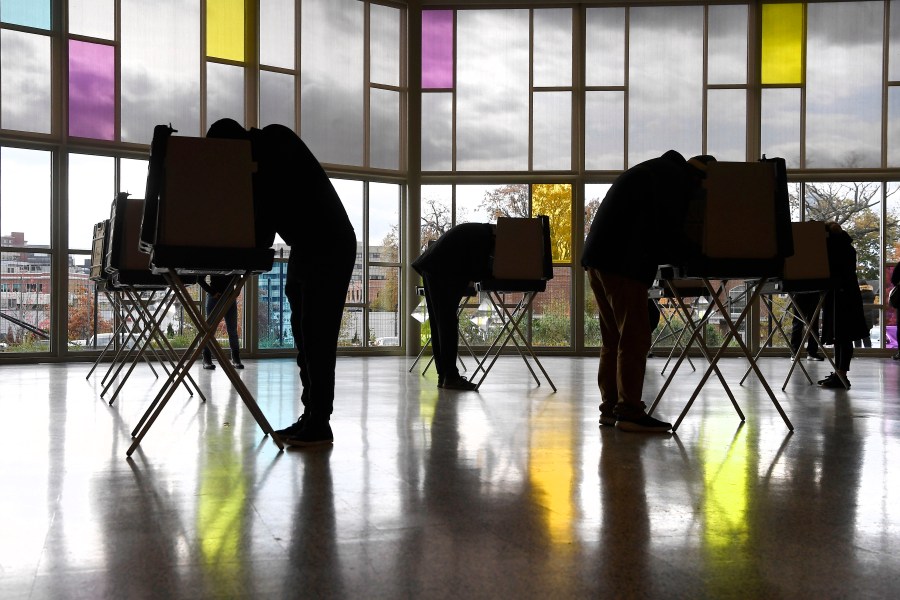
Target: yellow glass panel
<point x="782" y="44"/>
<point x="555" y="201"/>
<point x="225" y="29"/>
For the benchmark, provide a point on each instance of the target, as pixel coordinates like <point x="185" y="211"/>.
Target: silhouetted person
<point x="638" y="226"/>
<point x="215" y="286"/>
<point x="843" y="319"/>
<point x="806" y="303"/>
<point x="294" y="197"/>
<point x="867" y="293"/>
<point x="449" y="266"/>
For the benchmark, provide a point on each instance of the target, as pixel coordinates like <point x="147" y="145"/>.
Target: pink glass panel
<point x="91" y="90"/>
<point x="437" y="49"/>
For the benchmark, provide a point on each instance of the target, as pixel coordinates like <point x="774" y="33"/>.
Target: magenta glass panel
<point x="92" y="90"/>
<point x="437" y="49"/>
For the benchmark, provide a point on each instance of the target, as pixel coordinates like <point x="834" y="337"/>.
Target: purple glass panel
<point x="92" y="90"/>
<point x="437" y="49"/>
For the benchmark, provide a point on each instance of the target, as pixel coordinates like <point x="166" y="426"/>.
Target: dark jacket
<point x="640" y="223"/>
<point x="843" y="317"/>
<point x="463" y="253"/>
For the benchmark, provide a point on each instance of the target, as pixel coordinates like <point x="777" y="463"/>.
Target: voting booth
<point x="743" y="231"/>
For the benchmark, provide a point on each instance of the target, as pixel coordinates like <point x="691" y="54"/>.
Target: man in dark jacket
<point x="448" y="267"/>
<point x="638" y="226"/>
<point x="294" y="197"/>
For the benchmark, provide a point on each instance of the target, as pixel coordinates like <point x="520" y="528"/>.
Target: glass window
<point x="604" y="132"/>
<point x="276" y="100"/>
<point x="384" y="148"/>
<point x="437" y="49"/>
<point x="553" y="47"/>
<point x="25" y="184"/>
<point x="90" y="319"/>
<point x="555" y="201"/>
<point x="727" y="47"/>
<point x="492" y="90"/>
<point x="593" y="196"/>
<point x="484" y="203"/>
<point x="384" y="302"/>
<point x="160" y="67"/>
<point x="665" y="100"/>
<point x="436" y="212"/>
<point x="224" y="93"/>
<point x="274" y="309"/>
<point x="276" y="33"/>
<point x="28" y="277"/>
<point x="893" y="132"/>
<point x="844" y="84"/>
<point x="551" y="323"/>
<point x="552" y="131"/>
<point x="384" y="35"/>
<point x="225" y="29"/>
<point x="780" y="124"/>
<point x="30" y="13"/>
<point x="782" y="43"/>
<point x="92" y="90"/>
<point x="25" y="81"/>
<point x="92" y="18"/>
<point x="894" y="42"/>
<point x="726" y="124"/>
<point x="384" y="222"/>
<point x="331" y="80"/>
<point x="605" y="47"/>
<point x="133" y="177"/>
<point x="437" y="132"/>
<point x="91" y="192"/>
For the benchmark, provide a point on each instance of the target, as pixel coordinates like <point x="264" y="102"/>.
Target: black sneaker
<point x="292" y="429"/>
<point x="207" y="364"/>
<point x="312" y="434"/>
<point x="459" y="383"/>
<point x="829" y="378"/>
<point x="642" y="424"/>
<point x="834" y="382"/>
<point x="237" y="363"/>
<point x="815" y="356"/>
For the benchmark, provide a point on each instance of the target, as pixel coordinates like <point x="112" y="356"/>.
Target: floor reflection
<point x="511" y="492"/>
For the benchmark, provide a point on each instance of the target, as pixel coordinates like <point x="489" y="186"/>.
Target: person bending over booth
<point x="294" y="197"/>
<point x="448" y="267"/>
<point x="638" y="226"/>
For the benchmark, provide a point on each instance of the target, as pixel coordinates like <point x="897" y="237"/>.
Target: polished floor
<point x="510" y="492"/>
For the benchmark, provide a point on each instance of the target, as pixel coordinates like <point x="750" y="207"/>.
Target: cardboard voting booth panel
<point x="207" y="194"/>
<point x="519" y="249"/>
<point x="740" y="218"/>
<point x="810" y="258"/>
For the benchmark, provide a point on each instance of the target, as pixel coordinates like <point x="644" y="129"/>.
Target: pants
<point x="442" y="298"/>
<point x="317" y="291"/>
<point x="843" y="353"/>
<point x="230" y="326"/>
<point x="625" y="333"/>
<point x="806" y="302"/>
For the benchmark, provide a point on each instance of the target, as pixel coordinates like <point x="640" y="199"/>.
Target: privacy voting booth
<point x="743" y="233"/>
<point x="198" y="219"/>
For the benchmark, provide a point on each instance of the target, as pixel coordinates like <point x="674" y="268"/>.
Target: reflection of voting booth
<point x="199" y="220"/>
<point x="745" y="234"/>
<point x="522" y="265"/>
